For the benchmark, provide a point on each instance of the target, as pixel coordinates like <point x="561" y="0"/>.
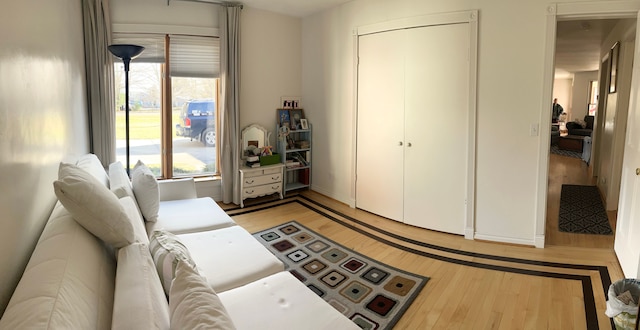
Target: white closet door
<point x="436" y="127"/>
<point x="380" y="131"/>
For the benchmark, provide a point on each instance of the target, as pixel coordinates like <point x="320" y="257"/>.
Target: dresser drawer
<point x="259" y="172"/>
<point x="263" y="179"/>
<point x="258" y="191"/>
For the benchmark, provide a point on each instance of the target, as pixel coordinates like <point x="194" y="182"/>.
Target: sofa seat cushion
<point x="68" y="282"/>
<point x="230" y="257"/>
<point x="139" y="300"/>
<point x="190" y="215"/>
<point x="581" y="131"/>
<point x="281" y="301"/>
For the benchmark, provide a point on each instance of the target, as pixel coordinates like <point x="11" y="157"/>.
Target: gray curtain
<point x="99" y="65"/>
<point x="230" y="98"/>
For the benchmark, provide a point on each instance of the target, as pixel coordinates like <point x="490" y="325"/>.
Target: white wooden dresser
<point x="260" y="181"/>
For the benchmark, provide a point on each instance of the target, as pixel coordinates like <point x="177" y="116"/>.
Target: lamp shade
<point x="126" y="53"/>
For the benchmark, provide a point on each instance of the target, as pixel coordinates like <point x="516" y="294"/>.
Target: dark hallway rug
<point x="372" y="294"/>
<point x="582" y="211"/>
<point x="568" y="153"/>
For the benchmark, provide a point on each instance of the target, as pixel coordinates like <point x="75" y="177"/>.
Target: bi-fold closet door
<point x="413" y="137"/>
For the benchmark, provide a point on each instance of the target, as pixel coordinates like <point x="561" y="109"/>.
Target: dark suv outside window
<point x="197" y="121"/>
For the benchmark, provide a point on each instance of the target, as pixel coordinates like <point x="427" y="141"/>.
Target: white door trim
<point x="600" y="9"/>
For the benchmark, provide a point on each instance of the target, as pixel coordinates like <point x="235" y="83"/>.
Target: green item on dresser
<point x="269" y="160"/>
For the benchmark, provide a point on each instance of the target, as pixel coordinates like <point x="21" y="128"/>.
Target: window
<point x="174" y="138"/>
<point x="593" y="98"/>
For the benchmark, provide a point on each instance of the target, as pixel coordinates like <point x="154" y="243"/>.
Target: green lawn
<point x="143" y="124"/>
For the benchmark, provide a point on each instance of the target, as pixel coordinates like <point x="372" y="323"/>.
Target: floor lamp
<point x="126" y="53"/>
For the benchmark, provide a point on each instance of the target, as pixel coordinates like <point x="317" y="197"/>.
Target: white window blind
<point x="193" y="56"/>
<point x="153" y="45"/>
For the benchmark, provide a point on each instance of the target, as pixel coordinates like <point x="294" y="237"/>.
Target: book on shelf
<point x="292" y="163"/>
<point x="297" y="157"/>
<point x="253" y="164"/>
<point x="253" y="158"/>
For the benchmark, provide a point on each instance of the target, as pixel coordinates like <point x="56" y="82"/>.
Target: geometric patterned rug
<point x="569" y="153"/>
<point x="372" y="294"/>
<point x="582" y="211"/>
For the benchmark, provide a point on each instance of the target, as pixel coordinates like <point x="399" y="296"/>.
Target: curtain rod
<point x="214" y="2"/>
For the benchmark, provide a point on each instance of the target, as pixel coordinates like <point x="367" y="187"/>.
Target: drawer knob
<point x="248" y="181"/>
<point x="248" y="192"/>
<point x="275" y="178"/>
<point x="275" y="188"/>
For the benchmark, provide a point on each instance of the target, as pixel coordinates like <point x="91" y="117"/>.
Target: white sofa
<point x="76" y="280"/>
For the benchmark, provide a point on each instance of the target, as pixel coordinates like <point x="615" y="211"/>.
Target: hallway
<point x="568" y="170"/>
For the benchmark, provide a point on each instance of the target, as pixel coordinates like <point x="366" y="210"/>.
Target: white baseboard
<point x="468" y="233"/>
<point x="501" y="239"/>
<point x="344" y="199"/>
<point x="539" y="241"/>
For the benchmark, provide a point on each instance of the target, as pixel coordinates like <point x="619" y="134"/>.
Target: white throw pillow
<point x="166" y="250"/>
<point x="193" y="304"/>
<point x="145" y="188"/>
<point x="91" y="164"/>
<point x="139" y="300"/>
<point x="119" y="182"/>
<point x="93" y="206"/>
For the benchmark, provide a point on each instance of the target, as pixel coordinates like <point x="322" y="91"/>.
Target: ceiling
<point x="578" y="44"/>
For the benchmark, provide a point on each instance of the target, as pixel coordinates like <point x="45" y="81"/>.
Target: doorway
<point x="562" y="170"/>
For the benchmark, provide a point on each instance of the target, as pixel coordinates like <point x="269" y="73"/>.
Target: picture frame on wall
<point x="613" y="72"/>
<point x="290" y="102"/>
<point x="295" y="116"/>
<point x="284" y="118"/>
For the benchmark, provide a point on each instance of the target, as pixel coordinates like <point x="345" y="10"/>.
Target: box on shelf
<point x="270" y="159"/>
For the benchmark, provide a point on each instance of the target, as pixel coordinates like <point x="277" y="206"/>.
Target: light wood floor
<point x="473" y="285"/>
<point x="567" y="170"/>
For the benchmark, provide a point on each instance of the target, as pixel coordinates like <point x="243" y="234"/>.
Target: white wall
<point x="580" y="93"/>
<point x="42" y="120"/>
<point x="510" y="81"/>
<point x="562" y="90"/>
<point x="270" y="56"/>
<point x="611" y="137"/>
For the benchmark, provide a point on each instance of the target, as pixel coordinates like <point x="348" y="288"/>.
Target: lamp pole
<point x="126" y="53"/>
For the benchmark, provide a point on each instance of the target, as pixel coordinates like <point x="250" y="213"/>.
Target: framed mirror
<point x="253" y="137"/>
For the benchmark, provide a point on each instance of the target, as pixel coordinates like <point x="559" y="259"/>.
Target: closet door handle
<point x="400" y="143"/>
<point x="409" y="144"/>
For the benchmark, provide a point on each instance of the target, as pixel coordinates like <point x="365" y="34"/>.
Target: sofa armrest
<point x="177" y="189"/>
